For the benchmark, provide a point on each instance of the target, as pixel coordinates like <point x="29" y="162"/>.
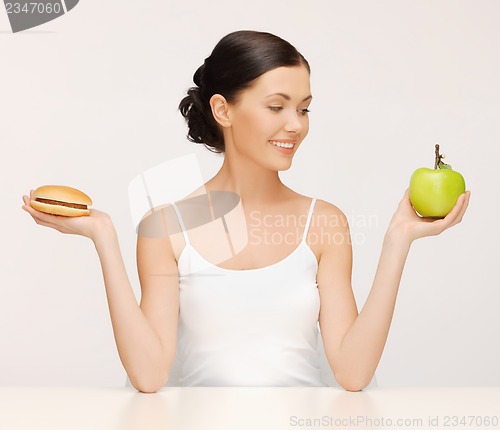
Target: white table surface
<point x="255" y="408"/>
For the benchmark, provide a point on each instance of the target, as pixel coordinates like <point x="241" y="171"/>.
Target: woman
<point x="252" y="318"/>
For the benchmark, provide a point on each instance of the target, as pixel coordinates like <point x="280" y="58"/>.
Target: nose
<point x="295" y="122"/>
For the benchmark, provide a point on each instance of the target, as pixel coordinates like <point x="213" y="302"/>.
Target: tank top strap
<point x="309" y="216"/>
<point x="181" y="222"/>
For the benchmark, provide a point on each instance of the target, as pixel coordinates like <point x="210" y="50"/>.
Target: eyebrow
<point x="287" y="97"/>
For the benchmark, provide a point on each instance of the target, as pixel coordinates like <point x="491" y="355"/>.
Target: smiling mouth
<point x="283" y="143"/>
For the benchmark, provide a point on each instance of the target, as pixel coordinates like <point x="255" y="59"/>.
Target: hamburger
<point x="61" y="200"/>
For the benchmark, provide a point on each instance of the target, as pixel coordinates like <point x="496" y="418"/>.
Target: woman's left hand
<point x="411" y="226"/>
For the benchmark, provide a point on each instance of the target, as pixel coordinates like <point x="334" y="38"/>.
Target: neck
<point x="256" y="185"/>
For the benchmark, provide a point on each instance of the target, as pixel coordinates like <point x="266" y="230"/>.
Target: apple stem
<point x="438" y="157"/>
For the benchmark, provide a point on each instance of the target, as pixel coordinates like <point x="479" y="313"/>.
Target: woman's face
<point x="270" y="119"/>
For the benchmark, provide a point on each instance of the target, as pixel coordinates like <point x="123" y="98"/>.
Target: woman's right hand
<point x="87" y="226"/>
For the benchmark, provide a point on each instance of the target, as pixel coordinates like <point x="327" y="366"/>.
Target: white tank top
<point x="255" y="327"/>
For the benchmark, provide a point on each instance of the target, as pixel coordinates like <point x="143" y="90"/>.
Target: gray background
<point x="90" y="100"/>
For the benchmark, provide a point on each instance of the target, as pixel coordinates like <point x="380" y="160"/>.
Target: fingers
<point x="39" y="217"/>
<point x="462" y="210"/>
<point x="406" y="208"/>
<point x="458" y="209"/>
<point x="26" y="201"/>
<point x="456" y="214"/>
<point x="405" y="201"/>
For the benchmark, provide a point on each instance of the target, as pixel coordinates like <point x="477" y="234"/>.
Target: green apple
<point x="434" y="192"/>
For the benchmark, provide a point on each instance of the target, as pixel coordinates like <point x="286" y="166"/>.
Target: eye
<point x="304" y="111"/>
<point x="275" y="108"/>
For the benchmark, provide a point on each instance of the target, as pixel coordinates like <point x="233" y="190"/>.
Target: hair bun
<point x="201" y="125"/>
<point x="198" y="75"/>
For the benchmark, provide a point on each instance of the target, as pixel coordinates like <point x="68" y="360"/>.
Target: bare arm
<point x="354" y="343"/>
<point x="361" y="347"/>
<point x="145" y="335"/>
<point x="145" y="340"/>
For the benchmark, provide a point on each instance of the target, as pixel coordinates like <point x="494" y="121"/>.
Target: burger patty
<point x="55" y="202"/>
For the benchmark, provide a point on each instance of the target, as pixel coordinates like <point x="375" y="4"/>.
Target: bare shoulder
<point x="330" y="217"/>
<point x="323" y="207"/>
<point x="329" y="229"/>
<point x="159" y="235"/>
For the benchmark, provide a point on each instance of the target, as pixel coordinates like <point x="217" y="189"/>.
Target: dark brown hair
<point x="236" y="61"/>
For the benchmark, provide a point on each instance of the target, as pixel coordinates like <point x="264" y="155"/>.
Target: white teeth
<point x="281" y="144"/>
